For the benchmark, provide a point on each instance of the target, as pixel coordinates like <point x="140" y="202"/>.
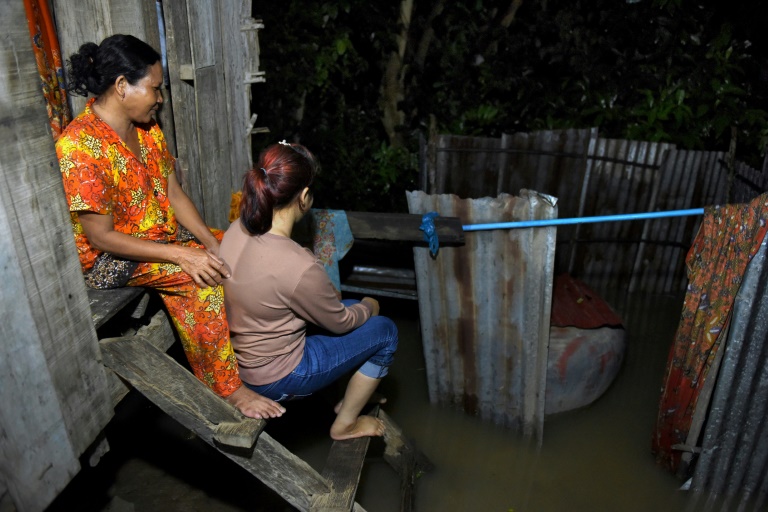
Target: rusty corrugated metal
<point x="732" y="470"/>
<point x="485" y="309"/>
<point x="594" y="176"/>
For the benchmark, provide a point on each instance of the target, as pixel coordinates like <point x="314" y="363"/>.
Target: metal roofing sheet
<point x="485" y="309"/>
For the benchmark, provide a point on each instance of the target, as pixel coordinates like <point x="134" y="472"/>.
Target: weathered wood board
<point x="402" y="227"/>
<point x="53" y="394"/>
<point x="199" y="80"/>
<point x="178" y="393"/>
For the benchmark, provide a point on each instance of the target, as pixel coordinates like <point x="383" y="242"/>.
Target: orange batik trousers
<point x="200" y="319"/>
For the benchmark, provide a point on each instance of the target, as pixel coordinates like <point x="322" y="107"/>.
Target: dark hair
<point x="282" y="172"/>
<point x="94" y="68"/>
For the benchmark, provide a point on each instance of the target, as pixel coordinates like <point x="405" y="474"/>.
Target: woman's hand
<point x="373" y="304"/>
<point x="205" y="268"/>
<point x="212" y="246"/>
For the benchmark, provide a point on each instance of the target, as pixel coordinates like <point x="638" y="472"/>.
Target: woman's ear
<point x="121" y="84"/>
<point x="305" y="200"/>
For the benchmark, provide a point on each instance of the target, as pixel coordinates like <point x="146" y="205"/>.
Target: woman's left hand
<point x="205" y="268"/>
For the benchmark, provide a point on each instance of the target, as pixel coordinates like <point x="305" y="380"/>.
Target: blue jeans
<point x="369" y="349"/>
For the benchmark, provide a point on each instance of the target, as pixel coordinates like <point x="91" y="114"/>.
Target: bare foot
<point x="376" y="398"/>
<point x="253" y="405"/>
<point x="363" y="426"/>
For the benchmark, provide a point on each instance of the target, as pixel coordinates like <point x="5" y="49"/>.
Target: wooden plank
<point x="215" y="144"/>
<point x="204" y="35"/>
<point x="342" y="470"/>
<point x="194" y="405"/>
<point x="78" y="23"/>
<point x="232" y="16"/>
<point x="37" y="456"/>
<point x="403" y="227"/>
<point x="137" y="18"/>
<point x="38" y="460"/>
<point x="160" y="334"/>
<point x="183" y="92"/>
<point x="405" y="459"/>
<point x="106" y="303"/>
<point x="213" y="132"/>
<point x="49" y="352"/>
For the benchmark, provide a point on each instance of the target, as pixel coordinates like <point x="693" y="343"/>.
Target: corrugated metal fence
<point x="591" y="176"/>
<point x="485" y="309"/>
<point x="732" y="470"/>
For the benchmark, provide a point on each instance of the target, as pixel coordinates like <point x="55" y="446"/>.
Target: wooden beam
<point x="52" y="387"/>
<point x="190" y="402"/>
<point x="403" y="227"/>
<point x="405" y="458"/>
<point x="160" y="334"/>
<point x="342" y="470"/>
<point x="106" y="303"/>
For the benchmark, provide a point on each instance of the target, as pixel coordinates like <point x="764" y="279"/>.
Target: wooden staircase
<point x="138" y="361"/>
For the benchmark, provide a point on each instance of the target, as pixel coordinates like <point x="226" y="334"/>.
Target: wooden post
<point x="199" y="85"/>
<point x="53" y="393"/>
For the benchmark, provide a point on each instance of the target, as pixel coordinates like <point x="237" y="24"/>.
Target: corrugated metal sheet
<point x="732" y="471"/>
<point x="622" y="179"/>
<point x="748" y="182"/>
<point x="595" y="176"/>
<point x="485" y="309"/>
<point x="687" y="179"/>
<point x="468" y="166"/>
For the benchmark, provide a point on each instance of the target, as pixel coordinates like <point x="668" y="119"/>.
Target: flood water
<point x="595" y="459"/>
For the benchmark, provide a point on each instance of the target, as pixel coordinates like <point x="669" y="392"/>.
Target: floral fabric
<point x="331" y="241"/>
<point x="728" y="238"/>
<point x="200" y="319"/>
<point x="45" y="44"/>
<point x="101" y="175"/>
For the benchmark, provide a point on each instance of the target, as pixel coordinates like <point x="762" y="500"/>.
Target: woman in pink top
<point x="277" y="287"/>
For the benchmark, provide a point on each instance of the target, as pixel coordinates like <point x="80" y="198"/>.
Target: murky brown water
<point x="595" y="459"/>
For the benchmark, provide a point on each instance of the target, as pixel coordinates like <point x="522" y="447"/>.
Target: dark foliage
<point x="693" y="74"/>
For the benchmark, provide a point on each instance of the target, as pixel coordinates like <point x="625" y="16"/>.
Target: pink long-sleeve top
<point x="276" y="287"/>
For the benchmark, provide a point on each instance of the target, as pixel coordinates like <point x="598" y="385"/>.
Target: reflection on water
<point x="594" y="459"/>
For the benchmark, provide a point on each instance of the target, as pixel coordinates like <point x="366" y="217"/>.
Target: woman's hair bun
<point x="95" y="67"/>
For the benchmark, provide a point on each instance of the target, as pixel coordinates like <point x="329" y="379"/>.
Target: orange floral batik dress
<point x="103" y="176"/>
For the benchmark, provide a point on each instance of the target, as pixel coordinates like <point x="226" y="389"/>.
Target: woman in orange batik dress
<point x="133" y="223"/>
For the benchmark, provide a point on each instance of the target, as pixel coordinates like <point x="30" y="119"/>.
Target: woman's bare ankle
<point x="376" y="398"/>
<point x="363" y="426"/>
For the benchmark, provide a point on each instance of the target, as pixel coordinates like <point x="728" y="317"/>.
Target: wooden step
<point x="342" y="470"/>
<point x="345" y="463"/>
<point x="407" y="460"/>
<point x="106" y="303"/>
<point x="182" y="396"/>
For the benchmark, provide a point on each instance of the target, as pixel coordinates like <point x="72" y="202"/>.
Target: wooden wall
<point x="212" y="55"/>
<point x="53" y="400"/>
<point x="93" y="20"/>
<point x="207" y="57"/>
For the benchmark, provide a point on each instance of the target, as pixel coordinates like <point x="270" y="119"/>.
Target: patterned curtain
<point x="729" y="237"/>
<point x="45" y="43"/>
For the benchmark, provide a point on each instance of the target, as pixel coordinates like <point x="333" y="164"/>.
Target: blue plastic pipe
<point x="582" y="220"/>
